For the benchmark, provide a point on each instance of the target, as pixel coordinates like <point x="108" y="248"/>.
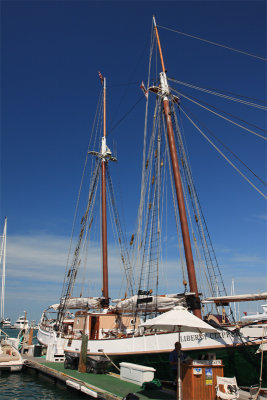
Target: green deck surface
<point x="112" y="384"/>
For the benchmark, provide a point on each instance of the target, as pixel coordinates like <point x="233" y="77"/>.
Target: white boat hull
<point x="11" y="366"/>
<point x="155" y="343"/>
<point x="10" y="358"/>
<point x="21" y="325"/>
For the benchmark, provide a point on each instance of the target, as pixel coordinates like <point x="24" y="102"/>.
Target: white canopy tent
<point x="178" y="320"/>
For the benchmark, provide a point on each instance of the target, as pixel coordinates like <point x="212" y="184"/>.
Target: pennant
<point x="101" y="77"/>
<point x="143" y="88"/>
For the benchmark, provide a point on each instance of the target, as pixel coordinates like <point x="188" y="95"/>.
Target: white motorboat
<point x="21" y="323"/>
<point x="6" y="323"/>
<point x="10" y="358"/>
<point x="256" y="317"/>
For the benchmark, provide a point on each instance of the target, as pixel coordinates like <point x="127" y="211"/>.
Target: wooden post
<point x="30" y="336"/>
<point x="83" y="354"/>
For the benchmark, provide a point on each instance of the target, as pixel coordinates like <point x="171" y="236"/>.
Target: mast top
<point x="159" y="46"/>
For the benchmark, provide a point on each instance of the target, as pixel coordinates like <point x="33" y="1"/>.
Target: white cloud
<point x="249" y="259"/>
<point x="35" y="271"/>
<point x="262" y="217"/>
<point x="36" y="267"/>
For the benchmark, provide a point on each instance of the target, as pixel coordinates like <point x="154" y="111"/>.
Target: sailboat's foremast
<point x="177" y="180"/>
<point x="104" y="207"/>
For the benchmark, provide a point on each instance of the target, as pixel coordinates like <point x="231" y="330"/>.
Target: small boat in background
<point x="256" y="317"/>
<point x="22" y="322"/>
<point x="6" y="323"/>
<point x="10" y="358"/>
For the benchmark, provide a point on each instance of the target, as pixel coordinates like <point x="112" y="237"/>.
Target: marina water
<point x="28" y="385"/>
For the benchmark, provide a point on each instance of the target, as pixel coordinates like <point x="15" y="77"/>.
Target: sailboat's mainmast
<point x="165" y="92"/>
<point x="104" y="205"/>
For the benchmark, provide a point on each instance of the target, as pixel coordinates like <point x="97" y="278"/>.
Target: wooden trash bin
<point x="199" y="379"/>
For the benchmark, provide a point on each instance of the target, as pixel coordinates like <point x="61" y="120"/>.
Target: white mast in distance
<point x="3" y="257"/>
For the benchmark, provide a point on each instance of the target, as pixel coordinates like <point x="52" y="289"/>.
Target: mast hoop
<point x="172" y="97"/>
<point x="103" y="157"/>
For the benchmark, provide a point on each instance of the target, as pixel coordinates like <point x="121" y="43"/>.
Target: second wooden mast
<point x="165" y="92"/>
<point x="104" y="205"/>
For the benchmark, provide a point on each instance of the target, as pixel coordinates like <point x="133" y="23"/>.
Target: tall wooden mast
<point x="104" y="205"/>
<point x="165" y="92"/>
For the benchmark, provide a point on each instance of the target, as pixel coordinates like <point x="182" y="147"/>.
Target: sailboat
<point x="113" y="327"/>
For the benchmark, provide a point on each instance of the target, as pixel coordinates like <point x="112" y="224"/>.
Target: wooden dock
<point x="103" y="387"/>
<point x="106" y="387"/>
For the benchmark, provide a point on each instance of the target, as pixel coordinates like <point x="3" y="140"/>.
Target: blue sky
<point x="51" y="53"/>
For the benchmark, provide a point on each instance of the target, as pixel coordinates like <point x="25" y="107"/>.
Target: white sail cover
<point x="81" y="303"/>
<point x="139" y="303"/>
<point x="159" y="303"/>
<point x="236" y="298"/>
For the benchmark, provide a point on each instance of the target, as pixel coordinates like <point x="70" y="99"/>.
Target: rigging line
<point x="219" y="151"/>
<point x="85" y="246"/>
<point x="124" y="84"/>
<point x="68" y="285"/>
<point x="145" y="201"/>
<point x="120" y="235"/>
<point x="82" y="179"/>
<point x="187" y="181"/>
<point x="175" y="206"/>
<point x="123" y="226"/>
<point x="125" y="115"/>
<point x="226" y="92"/>
<point x="231" y="115"/>
<point x="144" y="210"/>
<point x="220" y="95"/>
<point x="112" y="219"/>
<point x="164" y="201"/>
<point x="214" y="43"/>
<point x="219" y="115"/>
<point x="207" y="248"/>
<point x="227" y="148"/>
<point x="142" y="193"/>
<point x="130" y="76"/>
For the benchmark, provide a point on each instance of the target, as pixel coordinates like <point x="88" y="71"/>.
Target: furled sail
<point x="147" y="303"/>
<point x="81" y="303"/>
<point x="236" y="298"/>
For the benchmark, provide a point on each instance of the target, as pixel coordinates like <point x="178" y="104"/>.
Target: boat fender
<point x="73" y="384"/>
<point x="86" y="390"/>
<point x="131" y="396"/>
<point x="155" y="384"/>
<point x="20" y="342"/>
